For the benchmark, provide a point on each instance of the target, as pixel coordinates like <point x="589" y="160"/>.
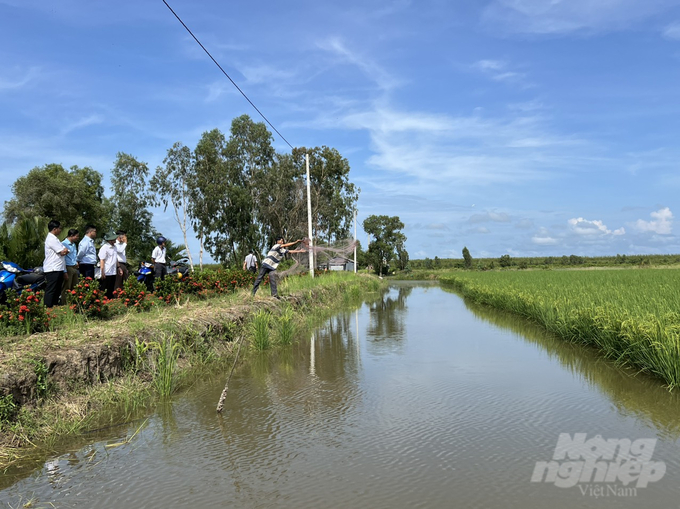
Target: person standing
<point x="271" y="262"/>
<point x="71" y="264"/>
<point x="108" y="260"/>
<point x="54" y="265"/>
<point x="250" y="263"/>
<point x="158" y="259"/>
<point x="87" y="253"/>
<point x="121" y="246"/>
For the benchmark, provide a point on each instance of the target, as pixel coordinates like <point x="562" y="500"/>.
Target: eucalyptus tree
<point x="131" y="200"/>
<point x="207" y="190"/>
<point x="333" y="196"/>
<point x="170" y="184"/>
<point x="250" y="161"/>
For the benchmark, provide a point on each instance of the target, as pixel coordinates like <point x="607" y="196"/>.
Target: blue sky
<point x="527" y="127"/>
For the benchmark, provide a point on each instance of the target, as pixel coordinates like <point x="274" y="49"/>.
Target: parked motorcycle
<point x="145" y="275"/>
<point x="13" y="276"/>
<point x="180" y="267"/>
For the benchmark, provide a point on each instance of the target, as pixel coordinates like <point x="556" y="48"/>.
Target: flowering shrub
<point x="168" y="289"/>
<point x="134" y="295"/>
<point x="222" y="281"/>
<point x="25" y="311"/>
<point x="88" y="299"/>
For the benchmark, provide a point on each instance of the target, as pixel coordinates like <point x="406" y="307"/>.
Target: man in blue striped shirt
<point x="271" y="262"/>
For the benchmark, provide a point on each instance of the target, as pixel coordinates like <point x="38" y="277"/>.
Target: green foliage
<point x="24" y="241"/>
<point x="505" y="261"/>
<point x="285" y="326"/>
<point x="87" y="299"/>
<point x="387" y="241"/>
<point x="74" y="197"/>
<point x="134" y="295"/>
<point x="170" y="185"/>
<point x="42" y="384"/>
<point x="25" y="312"/>
<point x="260" y="330"/>
<point x="8" y="408"/>
<point x="168" y="289"/>
<point x="166" y="353"/>
<point x="131" y="201"/>
<point x="467" y="257"/>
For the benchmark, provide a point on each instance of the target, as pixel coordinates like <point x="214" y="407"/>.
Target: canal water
<point x="416" y="399"/>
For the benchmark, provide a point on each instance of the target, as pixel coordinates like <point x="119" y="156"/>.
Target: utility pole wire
<point x="225" y="73"/>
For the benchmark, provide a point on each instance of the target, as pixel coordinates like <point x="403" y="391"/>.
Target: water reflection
<point x="386" y="330"/>
<point x="632" y="393"/>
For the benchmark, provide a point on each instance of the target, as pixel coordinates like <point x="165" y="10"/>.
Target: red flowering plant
<point x="26" y="311"/>
<point x="134" y="295"/>
<point x="169" y="288"/>
<point x="88" y="299"/>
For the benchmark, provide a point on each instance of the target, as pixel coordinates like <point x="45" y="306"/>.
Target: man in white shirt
<point x="108" y="264"/>
<point x="54" y="265"/>
<point x="121" y="246"/>
<point x="158" y="259"/>
<point x="250" y="263"/>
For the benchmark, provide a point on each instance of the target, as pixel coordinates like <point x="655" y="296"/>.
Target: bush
<point x="25" y="312"/>
<point x="134" y="295"/>
<point x="87" y="299"/>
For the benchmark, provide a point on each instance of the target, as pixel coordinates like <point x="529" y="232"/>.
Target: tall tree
<point x="250" y="157"/>
<point x="74" y="197"/>
<point x="24" y="241"/>
<point x="386" y="237"/>
<point x="467" y="258"/>
<point x="333" y="196"/>
<point x="207" y="192"/>
<point x="131" y="199"/>
<point x="170" y="185"/>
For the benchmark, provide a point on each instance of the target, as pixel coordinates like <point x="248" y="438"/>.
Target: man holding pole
<point x="271" y="262"/>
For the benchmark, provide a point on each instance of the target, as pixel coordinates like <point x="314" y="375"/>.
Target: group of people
<point x="67" y="261"/>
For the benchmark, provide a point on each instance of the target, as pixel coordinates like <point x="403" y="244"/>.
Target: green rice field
<point x="632" y="316"/>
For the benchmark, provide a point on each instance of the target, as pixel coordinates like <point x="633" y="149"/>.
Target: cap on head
<point x="110" y="236"/>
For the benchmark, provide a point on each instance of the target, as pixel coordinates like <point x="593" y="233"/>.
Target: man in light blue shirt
<point x="71" y="263"/>
<point x="87" y="253"/>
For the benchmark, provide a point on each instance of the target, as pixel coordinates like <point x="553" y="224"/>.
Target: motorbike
<point x="13" y="276"/>
<point x="145" y="272"/>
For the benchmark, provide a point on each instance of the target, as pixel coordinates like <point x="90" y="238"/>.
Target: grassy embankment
<point x="158" y="352"/>
<point x="632" y="316"/>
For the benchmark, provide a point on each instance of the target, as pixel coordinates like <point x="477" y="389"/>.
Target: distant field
<point x="633" y="316"/>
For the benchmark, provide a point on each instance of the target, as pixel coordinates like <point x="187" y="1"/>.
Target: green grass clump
<point x="166" y="353"/>
<point x="286" y="326"/>
<point x="260" y="330"/>
<point x="632" y="316"/>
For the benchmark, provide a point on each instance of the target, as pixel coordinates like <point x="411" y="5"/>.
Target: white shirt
<point x="158" y="254"/>
<point x="53" y="260"/>
<point x="107" y="254"/>
<point x="120" y="251"/>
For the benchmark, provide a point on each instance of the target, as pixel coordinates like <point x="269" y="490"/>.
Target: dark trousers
<point x="272" y="280"/>
<point x="107" y="284"/>
<point x="69" y="283"/>
<point x="120" y="278"/>
<point x="53" y="282"/>
<point x="86" y="270"/>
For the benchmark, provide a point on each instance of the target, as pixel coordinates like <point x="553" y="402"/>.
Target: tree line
<point x="236" y="192"/>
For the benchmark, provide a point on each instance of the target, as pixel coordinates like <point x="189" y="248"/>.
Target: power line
<point x="225" y="73"/>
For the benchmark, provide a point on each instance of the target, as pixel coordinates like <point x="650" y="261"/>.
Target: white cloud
<point x="499" y="70"/>
<point x="672" y="31"/>
<point x="17" y="79"/>
<point x="543" y="240"/>
<point x="566" y="16"/>
<point x="497" y="217"/>
<point x="661" y="223"/>
<point x="588" y="228"/>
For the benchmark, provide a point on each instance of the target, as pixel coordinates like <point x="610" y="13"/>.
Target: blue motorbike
<point x="14" y="277"/>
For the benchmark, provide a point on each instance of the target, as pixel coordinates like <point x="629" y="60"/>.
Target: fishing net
<point x="325" y="256"/>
